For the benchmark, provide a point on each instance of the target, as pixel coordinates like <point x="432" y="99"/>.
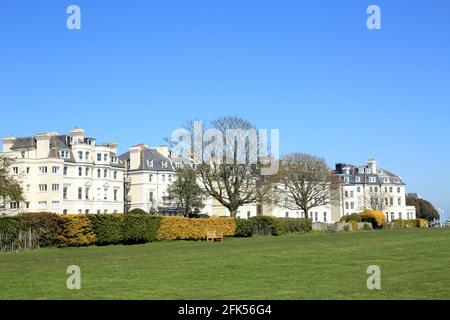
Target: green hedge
<point x="265" y="225"/>
<point x="139" y="228"/>
<point x="107" y="228"/>
<point x="9" y="229"/>
<point x="352" y="217"/>
<point x="45" y="225"/>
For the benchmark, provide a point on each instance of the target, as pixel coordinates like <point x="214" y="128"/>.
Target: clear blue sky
<point x="139" y="69"/>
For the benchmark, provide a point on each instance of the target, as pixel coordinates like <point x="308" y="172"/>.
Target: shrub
<point x="181" y="228"/>
<point x="107" y="228"/>
<point x="137" y="211"/>
<point x="137" y="228"/>
<point x="353" y="217"/>
<point x="290" y="225"/>
<point x="415" y="223"/>
<point x="376" y="218"/>
<point x="244" y="228"/>
<point x="75" y="230"/>
<point x="9" y="230"/>
<point x="43" y="224"/>
<point x="265" y="226"/>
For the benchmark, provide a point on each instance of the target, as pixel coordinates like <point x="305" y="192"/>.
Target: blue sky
<point x="139" y="69"/>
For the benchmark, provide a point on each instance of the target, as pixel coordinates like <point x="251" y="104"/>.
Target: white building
<point x="367" y="187"/>
<point x="66" y="174"/>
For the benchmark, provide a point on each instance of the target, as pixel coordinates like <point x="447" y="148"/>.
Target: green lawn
<point x="415" y="264"/>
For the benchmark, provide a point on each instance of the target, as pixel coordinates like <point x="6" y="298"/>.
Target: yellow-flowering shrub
<point x="180" y="228"/>
<point x="373" y="216"/>
<point x="75" y="230"/>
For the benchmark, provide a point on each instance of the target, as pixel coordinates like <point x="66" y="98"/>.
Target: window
<point x="398" y="190"/>
<point x="170" y="177"/>
<point x="357" y="179"/>
<point x="28" y="169"/>
<point x="351" y="194"/>
<point x="400" y="215"/>
<point x="43" y="170"/>
<point x="14" y="205"/>
<point x="392" y="216"/>
<point x="87" y="172"/>
<point x="346" y="205"/>
<point x="324" y="217"/>
<point x="164" y="164"/>
<point x="372" y="179"/>
<point x="376" y="189"/>
<point x="80" y="193"/>
<point x="391" y="201"/>
<point x="55" y="187"/>
<point x="358" y="189"/>
<point x="163" y="178"/>
<point x="390" y="189"/>
<point x="115" y="194"/>
<point x="105" y="157"/>
<point x="87" y="156"/>
<point x="80" y="211"/>
<point x="15" y="170"/>
<point x="80" y="155"/>
<point x="55" y="170"/>
<point x="385" y="189"/>
<point x="99" y="157"/>
<point x="86" y="211"/>
<point x="150" y="178"/>
<point x="150" y="163"/>
<point x="316" y="216"/>
<point x="150" y="196"/>
<point x="115" y="175"/>
<point x="346" y="179"/>
<point x="98" y="211"/>
<point x="105" y="173"/>
<point x="105" y="194"/>
<point x="23" y="154"/>
<point x="65" y="171"/>
<point x="399" y="201"/>
<point x="105" y="211"/>
<point x="55" y="204"/>
<point x="352" y="205"/>
<point x="80" y="171"/>
<point x="99" y="173"/>
<point x="346" y="194"/>
<point x="42" y="187"/>
<point x="371" y="189"/>
<point x="65" y="193"/>
<point x="64" y="154"/>
<point x="27" y="205"/>
<point x="42" y="205"/>
<point x="28" y="188"/>
<point x="286" y="215"/>
<point x="387" y="216"/>
<point x="65" y="211"/>
<point x="86" y="193"/>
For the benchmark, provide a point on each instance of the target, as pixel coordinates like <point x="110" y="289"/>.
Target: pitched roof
<point x="147" y="156"/>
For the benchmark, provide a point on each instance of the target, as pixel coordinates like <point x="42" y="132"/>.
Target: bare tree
<point x="227" y="162"/>
<point x="10" y="188"/>
<point x="305" y="182"/>
<point x="376" y="199"/>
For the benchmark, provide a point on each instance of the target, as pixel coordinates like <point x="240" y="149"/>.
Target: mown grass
<point x="415" y="264"/>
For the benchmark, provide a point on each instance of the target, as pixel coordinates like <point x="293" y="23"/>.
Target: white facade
<point x="66" y="174"/>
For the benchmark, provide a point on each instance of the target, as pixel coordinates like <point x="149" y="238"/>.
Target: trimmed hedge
<point x="266" y="225"/>
<point x="352" y="217"/>
<point x="75" y="231"/>
<point x="415" y="223"/>
<point x="181" y="228"/>
<point x="107" y="228"/>
<point x="139" y="228"/>
<point x="44" y="224"/>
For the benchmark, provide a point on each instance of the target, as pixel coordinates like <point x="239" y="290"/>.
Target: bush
<point x="353" y="217"/>
<point x="43" y="224"/>
<point x="137" y="211"/>
<point x="415" y="223"/>
<point x="75" y="230"/>
<point x="265" y="226"/>
<point x="290" y="225"/>
<point x="376" y="218"/>
<point x="9" y="230"/>
<point x="181" y="228"/>
<point x="107" y="228"/>
<point x="138" y="228"/>
<point x="244" y="228"/>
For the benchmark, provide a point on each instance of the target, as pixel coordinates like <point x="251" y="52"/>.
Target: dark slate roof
<point x="364" y="177"/>
<point x="27" y="142"/>
<point x="149" y="155"/>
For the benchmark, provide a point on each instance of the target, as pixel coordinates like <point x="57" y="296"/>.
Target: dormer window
<point x="64" y="154"/>
<point x="150" y="163"/>
<point x="164" y="164"/>
<point x="372" y="179"/>
<point x="358" y="179"/>
<point x="386" y="180"/>
<point x="80" y="155"/>
<point x="346" y="179"/>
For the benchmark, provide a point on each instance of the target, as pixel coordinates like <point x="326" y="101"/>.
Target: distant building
<point x="66" y="173"/>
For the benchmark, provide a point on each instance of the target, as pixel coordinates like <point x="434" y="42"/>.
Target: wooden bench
<point x="213" y="236"/>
